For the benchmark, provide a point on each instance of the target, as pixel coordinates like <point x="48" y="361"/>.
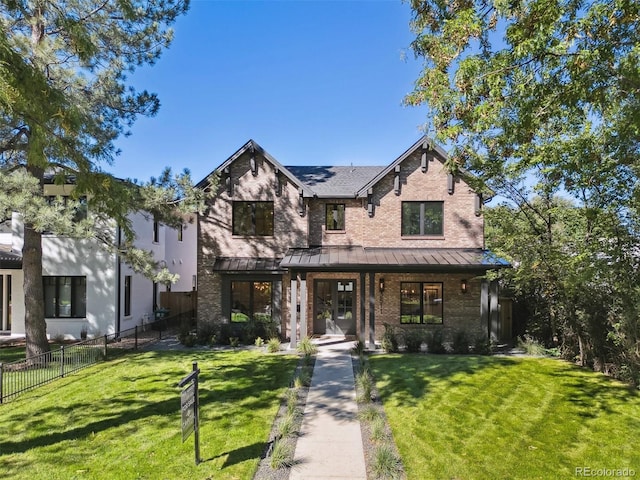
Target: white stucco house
<point x="87" y="288"/>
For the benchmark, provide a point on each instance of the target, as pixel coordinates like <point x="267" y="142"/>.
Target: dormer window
<point x="253" y="219"/>
<point x="334" y="216"/>
<point x="422" y="218"/>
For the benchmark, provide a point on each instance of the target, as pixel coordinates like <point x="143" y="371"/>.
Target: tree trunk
<point x="34" y="323"/>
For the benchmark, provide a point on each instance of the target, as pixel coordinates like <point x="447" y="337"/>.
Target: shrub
<point x="307" y="347"/>
<point x="273" y="345"/>
<point x="389" y="340"/>
<point x="435" y="343"/>
<point x="259" y="342"/>
<point x="205" y="331"/>
<point x="386" y="463"/>
<point x="531" y="346"/>
<point x="368" y="413"/>
<point x="281" y="455"/>
<point x="413" y="340"/>
<point x="460" y="342"/>
<point x="303" y="379"/>
<point x="482" y="346"/>
<point x="287" y="425"/>
<point x="358" y="348"/>
<point x="234" y="341"/>
<point x="378" y="429"/>
<point x="364" y="384"/>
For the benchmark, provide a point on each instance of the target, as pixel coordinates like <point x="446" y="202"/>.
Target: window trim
<point x="253" y="205"/>
<point x="422" y="306"/>
<point x="422" y="233"/>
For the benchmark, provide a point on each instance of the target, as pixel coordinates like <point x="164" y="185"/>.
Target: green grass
<point x="121" y="419"/>
<point x="472" y="417"/>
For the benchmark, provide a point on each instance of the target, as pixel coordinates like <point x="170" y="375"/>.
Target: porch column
<point x="293" y="311"/>
<point x="493" y="311"/>
<point x="484" y="307"/>
<point x="303" y="305"/>
<point x="363" y="304"/>
<point x="372" y="310"/>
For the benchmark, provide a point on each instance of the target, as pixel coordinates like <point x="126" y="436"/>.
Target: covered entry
<point x="334" y="307"/>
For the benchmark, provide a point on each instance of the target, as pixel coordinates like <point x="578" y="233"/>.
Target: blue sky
<point x="313" y="82"/>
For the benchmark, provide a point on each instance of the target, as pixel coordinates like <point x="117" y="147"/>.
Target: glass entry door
<point x="334" y="310"/>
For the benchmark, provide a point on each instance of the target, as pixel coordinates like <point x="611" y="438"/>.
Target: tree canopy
<point x="65" y="98"/>
<point x="541" y="99"/>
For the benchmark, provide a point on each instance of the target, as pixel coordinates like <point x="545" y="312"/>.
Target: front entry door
<point x="334" y="307"/>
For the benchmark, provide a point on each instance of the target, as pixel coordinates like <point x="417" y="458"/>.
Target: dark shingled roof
<point x="332" y="182"/>
<point x="390" y="259"/>
<point x="10" y="259"/>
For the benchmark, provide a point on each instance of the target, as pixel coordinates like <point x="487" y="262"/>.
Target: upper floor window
<point x="334" y="216"/>
<point x="422" y="218"/>
<point x="252" y="218"/>
<point x="180" y="232"/>
<point x="65" y="297"/>
<point x="156" y="231"/>
<point x="79" y="209"/>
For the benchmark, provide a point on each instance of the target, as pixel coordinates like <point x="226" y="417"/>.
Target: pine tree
<point x="64" y="100"/>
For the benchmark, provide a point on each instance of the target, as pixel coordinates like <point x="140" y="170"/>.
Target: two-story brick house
<point x="344" y="250"/>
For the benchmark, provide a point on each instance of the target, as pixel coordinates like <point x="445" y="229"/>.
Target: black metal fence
<point x="22" y="375"/>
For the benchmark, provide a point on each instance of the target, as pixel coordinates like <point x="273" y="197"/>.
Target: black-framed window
<point x="127" y="295"/>
<point x="422" y="218"/>
<point x="253" y="218"/>
<point x="65" y="297"/>
<point x="334" y="216"/>
<point x="156" y="231"/>
<point x="421" y="302"/>
<point x="180" y="232"/>
<point x="251" y="301"/>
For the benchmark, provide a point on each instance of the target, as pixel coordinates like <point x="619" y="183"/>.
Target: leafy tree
<point x="64" y="100"/>
<point x="540" y="98"/>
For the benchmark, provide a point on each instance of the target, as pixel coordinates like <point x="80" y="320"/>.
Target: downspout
<point x="118" y="280"/>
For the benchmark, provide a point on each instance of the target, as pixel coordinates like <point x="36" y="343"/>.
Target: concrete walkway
<point x="330" y="443"/>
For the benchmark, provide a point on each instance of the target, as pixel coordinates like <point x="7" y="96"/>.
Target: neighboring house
<point x="87" y="288"/>
<point x="343" y="250"/>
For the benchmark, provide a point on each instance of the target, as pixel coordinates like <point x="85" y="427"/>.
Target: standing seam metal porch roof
<point x="392" y="259"/>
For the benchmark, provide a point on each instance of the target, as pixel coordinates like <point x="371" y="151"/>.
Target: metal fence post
<point x="105" y="347"/>
<point x="135" y="336"/>
<point x="1" y="382"/>
<point x="62" y="360"/>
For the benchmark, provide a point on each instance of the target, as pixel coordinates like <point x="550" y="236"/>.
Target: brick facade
<point x="252" y="175"/>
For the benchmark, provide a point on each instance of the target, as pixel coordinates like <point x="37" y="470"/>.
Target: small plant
<point x="259" y="342"/>
<point x="389" y="342"/>
<point x="460" y="342"/>
<point x="292" y="400"/>
<point x="188" y="340"/>
<point x="287" y="426"/>
<point x="303" y="379"/>
<point x="531" y="346"/>
<point x="364" y="384"/>
<point x="482" y="346"/>
<point x="435" y="343"/>
<point x="273" y="345"/>
<point x="234" y="341"/>
<point x="368" y="413"/>
<point x="213" y="340"/>
<point x="386" y="463"/>
<point x="307" y="347"/>
<point x="413" y="340"/>
<point x="281" y="455"/>
<point x="378" y="429"/>
<point x="358" y="348"/>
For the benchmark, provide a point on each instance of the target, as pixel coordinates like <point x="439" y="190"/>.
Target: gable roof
<point x="424" y="141"/>
<point x="334" y="182"/>
<point x="258" y="149"/>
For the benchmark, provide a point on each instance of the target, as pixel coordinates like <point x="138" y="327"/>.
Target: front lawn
<point x="472" y="417"/>
<point x="121" y="419"/>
